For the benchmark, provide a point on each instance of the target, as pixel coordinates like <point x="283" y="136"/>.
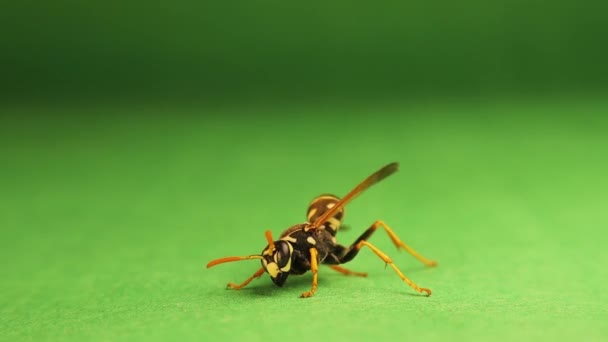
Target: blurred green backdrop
<point x="210" y="50"/>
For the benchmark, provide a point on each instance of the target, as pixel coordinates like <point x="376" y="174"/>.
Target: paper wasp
<point x="302" y="247"/>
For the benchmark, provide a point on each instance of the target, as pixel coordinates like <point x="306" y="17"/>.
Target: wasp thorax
<point x="277" y="261"/>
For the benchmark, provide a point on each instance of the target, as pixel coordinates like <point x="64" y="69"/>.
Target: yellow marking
<point x="289" y="238"/>
<point x="272" y="269"/>
<point x="312" y="213"/>
<point x="314" y="269"/>
<point x="334" y="223"/>
<point x="311" y="240"/>
<point x="331" y="205"/>
<point x="388" y="260"/>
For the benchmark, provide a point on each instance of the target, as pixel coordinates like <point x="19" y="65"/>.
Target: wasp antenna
<point x="270" y="240"/>
<point x="231" y="259"/>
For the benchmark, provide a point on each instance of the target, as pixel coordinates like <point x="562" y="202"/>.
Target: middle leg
<point x="347" y="271"/>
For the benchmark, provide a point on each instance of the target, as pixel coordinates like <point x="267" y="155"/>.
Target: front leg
<point x="314" y="268"/>
<point x="246" y="282"/>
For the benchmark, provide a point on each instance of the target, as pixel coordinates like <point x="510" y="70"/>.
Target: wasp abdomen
<point x="319" y="205"/>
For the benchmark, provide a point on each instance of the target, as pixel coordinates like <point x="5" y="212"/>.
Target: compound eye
<point x="283" y="253"/>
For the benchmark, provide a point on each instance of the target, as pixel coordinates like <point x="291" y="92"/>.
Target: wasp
<point x="305" y="246"/>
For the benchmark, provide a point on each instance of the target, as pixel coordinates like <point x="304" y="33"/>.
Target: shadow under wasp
<point x="302" y="247"/>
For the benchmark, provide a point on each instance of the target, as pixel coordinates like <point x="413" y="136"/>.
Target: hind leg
<point x="352" y="251"/>
<point x="347" y="254"/>
<point x="388" y="260"/>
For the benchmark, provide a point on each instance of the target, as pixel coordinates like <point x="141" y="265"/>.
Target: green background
<point x="139" y="141"/>
<point x="273" y="51"/>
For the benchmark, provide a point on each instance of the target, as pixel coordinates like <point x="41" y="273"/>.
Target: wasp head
<point x="276" y="260"/>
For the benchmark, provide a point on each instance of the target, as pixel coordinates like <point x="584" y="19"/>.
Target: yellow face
<point x="277" y="261"/>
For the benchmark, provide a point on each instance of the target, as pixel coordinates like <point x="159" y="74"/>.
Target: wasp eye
<point x="282" y="254"/>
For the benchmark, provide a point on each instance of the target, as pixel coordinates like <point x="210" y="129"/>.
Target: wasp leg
<point x="246" y="282"/>
<point x="314" y="268"/>
<point x="388" y="260"/>
<point x="347" y="271"/>
<point x="398" y="243"/>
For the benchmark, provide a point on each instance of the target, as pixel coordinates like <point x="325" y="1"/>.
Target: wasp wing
<point x="369" y="181"/>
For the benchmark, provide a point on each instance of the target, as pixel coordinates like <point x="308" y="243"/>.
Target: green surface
<point x="107" y="220"/>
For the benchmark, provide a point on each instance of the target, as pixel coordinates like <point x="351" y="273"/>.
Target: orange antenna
<point x="230" y="259"/>
<point x="270" y="240"/>
<point x="239" y="258"/>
